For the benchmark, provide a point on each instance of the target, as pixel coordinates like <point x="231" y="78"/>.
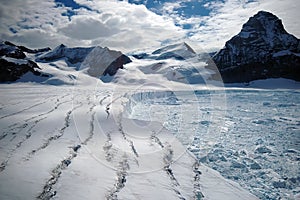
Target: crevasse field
<point x="249" y="136"/>
<point x="65" y="142"/>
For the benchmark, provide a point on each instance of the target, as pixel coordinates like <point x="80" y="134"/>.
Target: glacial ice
<point x="257" y="145"/>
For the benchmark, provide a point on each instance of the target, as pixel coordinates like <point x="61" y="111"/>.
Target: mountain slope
<point x="263" y="49"/>
<point x="180" y="51"/>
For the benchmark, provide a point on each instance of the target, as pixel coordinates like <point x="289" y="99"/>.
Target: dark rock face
<point x="12" y="71"/>
<point x="11" y="51"/>
<point x="116" y="64"/>
<point x="263" y="49"/>
<point x="14" y="64"/>
<point x="27" y="50"/>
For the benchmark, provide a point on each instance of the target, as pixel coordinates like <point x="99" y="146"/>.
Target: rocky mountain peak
<point x="270" y="29"/>
<point x="263" y="49"/>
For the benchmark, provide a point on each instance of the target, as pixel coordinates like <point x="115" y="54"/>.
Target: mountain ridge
<point x="16" y="61"/>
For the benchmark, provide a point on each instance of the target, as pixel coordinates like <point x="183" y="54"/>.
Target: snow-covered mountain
<point x="19" y="63"/>
<point x="180" y="51"/>
<point x="98" y="60"/>
<point x="263" y="49"/>
<point x="177" y="63"/>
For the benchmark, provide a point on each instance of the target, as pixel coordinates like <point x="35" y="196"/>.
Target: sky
<point x="135" y="25"/>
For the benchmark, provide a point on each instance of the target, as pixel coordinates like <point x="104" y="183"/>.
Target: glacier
<point x="158" y="129"/>
<point x="75" y="142"/>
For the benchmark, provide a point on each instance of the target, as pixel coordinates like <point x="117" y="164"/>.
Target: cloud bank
<point x="114" y="24"/>
<point x="129" y="27"/>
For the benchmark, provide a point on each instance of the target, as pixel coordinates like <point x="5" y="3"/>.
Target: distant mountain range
<point x="14" y="63"/>
<point x="263" y="49"/>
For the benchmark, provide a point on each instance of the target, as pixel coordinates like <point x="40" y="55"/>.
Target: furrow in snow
<point x="92" y="127"/>
<point x="107" y="108"/>
<point x="13" y="131"/>
<point x="196" y="182"/>
<point x="12" y="104"/>
<point x="155" y="139"/>
<point x="58" y="104"/>
<point x="48" y="192"/>
<point x="107" y="111"/>
<point x="168" y="159"/>
<point x="25" y="109"/>
<point x="60" y="132"/>
<point x="121" y="179"/>
<point x="13" y="127"/>
<point x="56" y="173"/>
<point x="102" y="100"/>
<point x="121" y="130"/>
<point x="107" y="147"/>
<point x="27" y="136"/>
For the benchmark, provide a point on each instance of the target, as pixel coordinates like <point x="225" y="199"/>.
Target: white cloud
<point x="134" y="26"/>
<point x="118" y="25"/>
<point x="128" y="27"/>
<point x="87" y="28"/>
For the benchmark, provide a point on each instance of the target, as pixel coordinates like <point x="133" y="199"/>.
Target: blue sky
<point x="186" y="9"/>
<point x="135" y="24"/>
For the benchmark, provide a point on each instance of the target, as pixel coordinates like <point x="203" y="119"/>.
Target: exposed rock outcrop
<point x="263" y="49"/>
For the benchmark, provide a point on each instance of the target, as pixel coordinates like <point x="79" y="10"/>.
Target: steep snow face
<point x="253" y="53"/>
<point x="178" y="51"/>
<point x="181" y="51"/>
